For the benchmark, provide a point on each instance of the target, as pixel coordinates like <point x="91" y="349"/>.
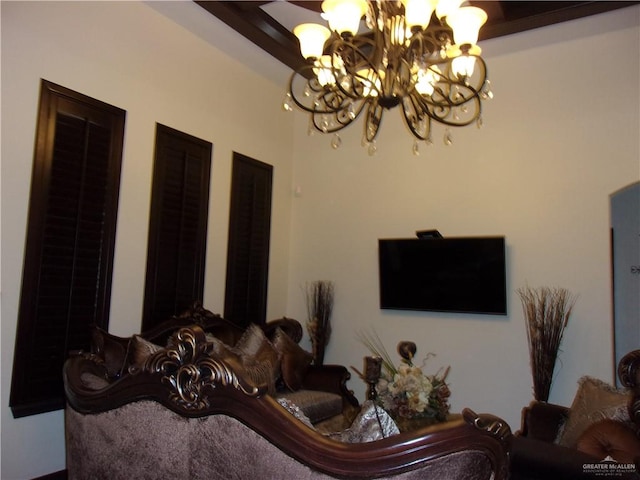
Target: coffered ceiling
<point x="268" y="24"/>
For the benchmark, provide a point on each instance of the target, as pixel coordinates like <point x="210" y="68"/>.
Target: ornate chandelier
<point x="431" y="69"/>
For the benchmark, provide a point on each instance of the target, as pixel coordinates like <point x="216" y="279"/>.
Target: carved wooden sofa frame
<point x="211" y="418"/>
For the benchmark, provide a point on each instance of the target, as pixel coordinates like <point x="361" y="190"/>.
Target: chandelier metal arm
<point x="312" y="88"/>
<point x="416" y="116"/>
<point x="447" y="117"/>
<point x="418" y="68"/>
<point x="373" y="120"/>
<point x="333" y="122"/>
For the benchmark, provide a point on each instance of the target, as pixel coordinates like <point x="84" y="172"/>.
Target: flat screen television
<point x="461" y="274"/>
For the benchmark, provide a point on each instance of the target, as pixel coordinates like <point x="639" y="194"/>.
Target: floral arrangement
<point x="405" y="391"/>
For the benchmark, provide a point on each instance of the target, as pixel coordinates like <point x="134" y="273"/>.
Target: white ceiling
<point x="290" y="15"/>
<point x="209" y="28"/>
<point x="201" y="23"/>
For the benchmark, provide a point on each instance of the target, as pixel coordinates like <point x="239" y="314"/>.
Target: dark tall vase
<point x="317" y="349"/>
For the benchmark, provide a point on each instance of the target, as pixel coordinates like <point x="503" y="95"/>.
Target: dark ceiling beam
<point x="522" y="16"/>
<point x="505" y="18"/>
<point x="256" y="25"/>
<point x="251" y="4"/>
<point x="313" y="5"/>
<point x="494" y="9"/>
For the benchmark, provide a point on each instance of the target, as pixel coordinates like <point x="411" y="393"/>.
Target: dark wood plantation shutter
<point x="177" y="225"/>
<point x="66" y="282"/>
<point x="249" y="234"/>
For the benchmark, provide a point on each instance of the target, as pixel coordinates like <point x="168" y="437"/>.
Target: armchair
<point x="602" y="423"/>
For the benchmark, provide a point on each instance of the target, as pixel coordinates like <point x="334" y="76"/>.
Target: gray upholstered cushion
<point x="314" y="404"/>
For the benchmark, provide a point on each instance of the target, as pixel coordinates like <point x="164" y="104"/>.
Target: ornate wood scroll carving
<point x="629" y="374"/>
<point x="488" y="423"/>
<point x="192" y="373"/>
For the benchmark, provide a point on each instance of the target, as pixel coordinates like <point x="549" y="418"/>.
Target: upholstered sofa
<point x="320" y="391"/>
<point x="602" y="424"/>
<point x="193" y="408"/>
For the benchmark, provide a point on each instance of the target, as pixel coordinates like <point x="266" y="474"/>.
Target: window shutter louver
<point x="70" y="241"/>
<point x="249" y="235"/>
<point x="178" y="225"/>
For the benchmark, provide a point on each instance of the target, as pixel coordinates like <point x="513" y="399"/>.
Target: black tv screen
<point x="462" y="274"/>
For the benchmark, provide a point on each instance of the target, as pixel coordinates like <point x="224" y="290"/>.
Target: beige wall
<point x="561" y="135"/>
<point x="129" y="55"/>
<point x="539" y="172"/>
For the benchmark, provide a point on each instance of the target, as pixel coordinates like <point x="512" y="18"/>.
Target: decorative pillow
<point x="219" y="348"/>
<point x="315" y="404"/>
<point x="372" y="423"/>
<point x="595" y="400"/>
<point x="210" y="337"/>
<point x="228" y="335"/>
<point x="139" y="350"/>
<point x="295" y="360"/>
<point x="255" y="343"/>
<point x="113" y="353"/>
<point x="295" y="410"/>
<point x="260" y="359"/>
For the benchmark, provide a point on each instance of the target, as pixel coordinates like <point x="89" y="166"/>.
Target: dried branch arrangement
<point x="546" y="312"/>
<point x="319" y="295"/>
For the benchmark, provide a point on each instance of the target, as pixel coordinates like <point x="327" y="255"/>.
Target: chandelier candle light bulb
<point x="325" y="68"/>
<point x="418" y="13"/>
<point x="466" y="23"/>
<point x="445" y="7"/>
<point x="427" y="64"/>
<point x="344" y="15"/>
<point x="311" y="37"/>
